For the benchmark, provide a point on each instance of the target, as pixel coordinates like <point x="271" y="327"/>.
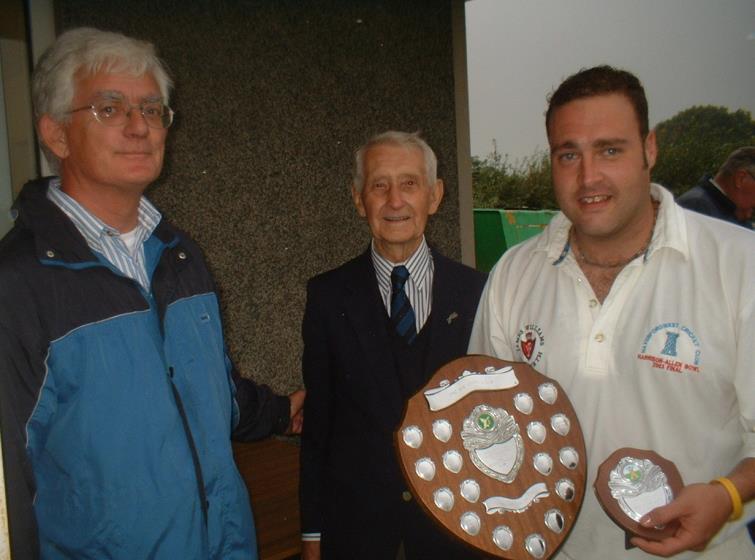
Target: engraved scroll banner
<point x="493" y="451"/>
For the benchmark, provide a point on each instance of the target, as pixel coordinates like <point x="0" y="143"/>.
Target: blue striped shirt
<point x="419" y="286"/>
<point x="106" y="240"/>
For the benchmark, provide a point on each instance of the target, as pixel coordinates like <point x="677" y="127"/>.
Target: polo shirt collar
<point x="670" y="230"/>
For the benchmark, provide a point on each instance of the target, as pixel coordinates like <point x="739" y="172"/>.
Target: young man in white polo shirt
<point x="643" y="312"/>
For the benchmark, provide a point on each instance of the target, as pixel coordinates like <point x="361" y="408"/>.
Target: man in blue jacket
<point x="117" y="399"/>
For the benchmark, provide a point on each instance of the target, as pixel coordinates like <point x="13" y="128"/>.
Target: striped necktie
<point x="402" y="314"/>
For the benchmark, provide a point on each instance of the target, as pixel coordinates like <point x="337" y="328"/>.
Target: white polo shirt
<point x="665" y="363"/>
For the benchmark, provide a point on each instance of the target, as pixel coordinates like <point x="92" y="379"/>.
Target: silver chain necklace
<point x="581" y="256"/>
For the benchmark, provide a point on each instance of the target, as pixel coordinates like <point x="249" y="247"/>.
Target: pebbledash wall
<point x="271" y="99"/>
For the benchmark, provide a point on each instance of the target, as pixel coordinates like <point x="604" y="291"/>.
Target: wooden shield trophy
<point x="493" y="451"/>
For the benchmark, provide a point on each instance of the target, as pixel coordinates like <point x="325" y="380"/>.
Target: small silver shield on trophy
<point x="491" y="435"/>
<point x="639" y="486"/>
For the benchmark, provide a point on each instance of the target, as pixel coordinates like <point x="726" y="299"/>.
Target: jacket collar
<point x="55" y="236"/>
<point x="715" y="191"/>
<point x="364" y="309"/>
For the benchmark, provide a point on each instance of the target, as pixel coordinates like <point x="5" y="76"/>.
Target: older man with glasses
<point x="117" y="399"/>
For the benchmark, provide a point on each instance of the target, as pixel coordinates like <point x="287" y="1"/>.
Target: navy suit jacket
<point x="705" y="198"/>
<point x="350" y="478"/>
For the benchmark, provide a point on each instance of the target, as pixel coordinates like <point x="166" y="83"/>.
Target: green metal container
<point x="496" y="230"/>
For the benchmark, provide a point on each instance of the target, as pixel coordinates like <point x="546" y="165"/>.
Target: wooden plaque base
<point x="434" y="478"/>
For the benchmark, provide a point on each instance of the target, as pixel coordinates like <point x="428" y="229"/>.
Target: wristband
<point x="736" y="499"/>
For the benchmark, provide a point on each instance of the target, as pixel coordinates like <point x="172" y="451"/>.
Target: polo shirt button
<point x="593" y="302"/>
<point x="182" y="256"/>
<point x="599" y="337"/>
<point x="50" y="253"/>
<point x="406" y="496"/>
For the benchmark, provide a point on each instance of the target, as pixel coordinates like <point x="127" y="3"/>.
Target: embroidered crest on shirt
<point x="529" y="343"/>
<point x="672" y="347"/>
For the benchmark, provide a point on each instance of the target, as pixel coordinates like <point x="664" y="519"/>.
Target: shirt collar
<point x="418" y="265"/>
<point x="670" y="230"/>
<point x="670" y="226"/>
<point x="90" y="226"/>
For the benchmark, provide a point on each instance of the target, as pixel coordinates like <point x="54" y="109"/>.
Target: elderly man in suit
<point x="375" y="329"/>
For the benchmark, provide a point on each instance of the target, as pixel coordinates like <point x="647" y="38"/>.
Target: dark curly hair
<point x="601" y="80"/>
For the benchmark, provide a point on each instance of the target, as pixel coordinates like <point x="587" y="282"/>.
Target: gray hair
<point x="401" y="139"/>
<point x="87" y="51"/>
<point x="741" y="158"/>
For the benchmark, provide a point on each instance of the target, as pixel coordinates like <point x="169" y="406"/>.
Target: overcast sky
<point x="686" y="52"/>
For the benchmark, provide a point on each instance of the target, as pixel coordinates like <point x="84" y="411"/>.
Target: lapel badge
<point x="452" y="317"/>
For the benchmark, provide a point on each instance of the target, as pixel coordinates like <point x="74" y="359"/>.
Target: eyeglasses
<point x="115" y="112"/>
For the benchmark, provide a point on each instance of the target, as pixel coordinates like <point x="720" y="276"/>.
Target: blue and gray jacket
<point x="117" y="406"/>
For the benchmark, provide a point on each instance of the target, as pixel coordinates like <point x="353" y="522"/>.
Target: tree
<point x="696" y="141"/>
<point x="499" y="183"/>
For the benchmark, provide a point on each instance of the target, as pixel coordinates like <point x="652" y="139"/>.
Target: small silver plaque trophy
<point x="633" y="482"/>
